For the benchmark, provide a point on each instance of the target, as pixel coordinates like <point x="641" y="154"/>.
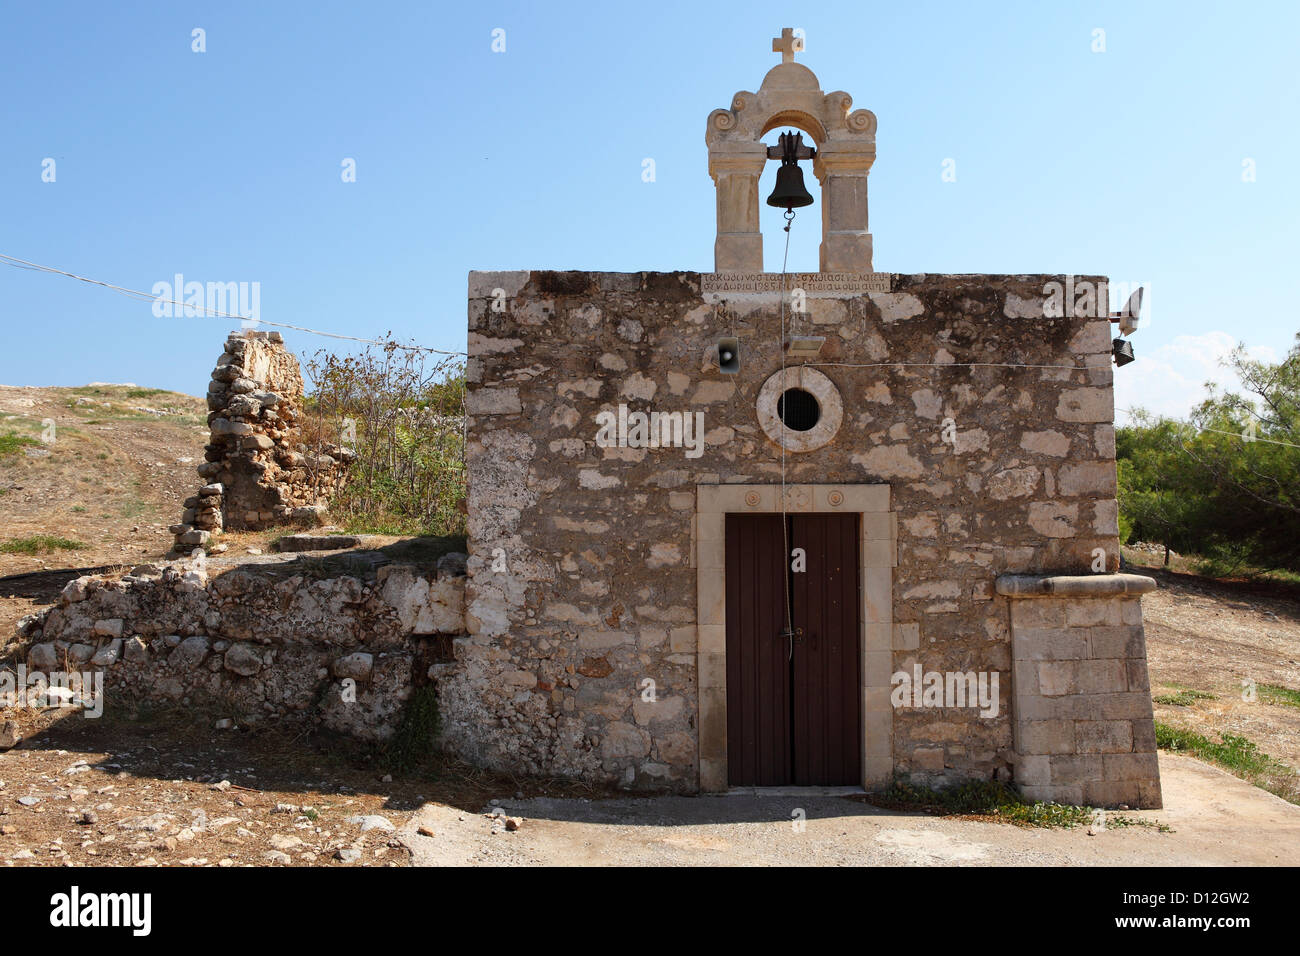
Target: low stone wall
<point x="259" y="641"/>
<point x="257" y="470"/>
<point x="1084" y="727"/>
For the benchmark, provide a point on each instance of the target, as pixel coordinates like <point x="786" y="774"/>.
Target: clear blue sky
<point x="225" y="165"/>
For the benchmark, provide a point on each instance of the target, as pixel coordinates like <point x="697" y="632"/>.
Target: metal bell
<point x="789" y="192"/>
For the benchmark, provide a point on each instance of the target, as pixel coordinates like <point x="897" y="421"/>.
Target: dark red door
<point x="793" y="705"/>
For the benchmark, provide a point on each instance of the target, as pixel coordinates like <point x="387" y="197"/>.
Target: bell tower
<point x="844" y="140"/>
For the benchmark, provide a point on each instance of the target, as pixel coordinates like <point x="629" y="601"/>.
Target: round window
<point x="798" y="409"/>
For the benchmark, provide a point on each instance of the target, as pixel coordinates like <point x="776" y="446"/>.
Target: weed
<point x="1184" y="698"/>
<point x="982" y="798"/>
<point x="39" y="543"/>
<point x="1279" y="695"/>
<point x="11" y="443"/>
<point x="412" y="744"/>
<point x="1234" y="753"/>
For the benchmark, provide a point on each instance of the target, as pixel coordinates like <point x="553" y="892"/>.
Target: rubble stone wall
<point x="582" y="556"/>
<point x="249" y="644"/>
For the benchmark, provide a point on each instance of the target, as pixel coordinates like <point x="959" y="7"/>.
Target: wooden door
<point x="793" y="705"/>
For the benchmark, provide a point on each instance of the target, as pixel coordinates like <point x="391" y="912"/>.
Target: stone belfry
<point x="845" y="139"/>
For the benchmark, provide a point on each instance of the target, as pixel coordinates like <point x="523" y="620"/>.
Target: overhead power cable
<point x="135" y="293"/>
<point x="1220" y="431"/>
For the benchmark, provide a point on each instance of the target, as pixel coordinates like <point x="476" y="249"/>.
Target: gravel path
<point x="1218" y="820"/>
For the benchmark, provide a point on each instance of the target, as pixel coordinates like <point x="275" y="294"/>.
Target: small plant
<point x="982" y="798"/>
<point x="1236" y="754"/>
<point x="1278" y="695"/>
<point x="38" y="544"/>
<point x="11" y="443"/>
<point x="1184" y="698"/>
<point x="412" y="744"/>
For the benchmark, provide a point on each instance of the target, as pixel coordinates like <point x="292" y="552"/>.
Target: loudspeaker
<point x="729" y="356"/>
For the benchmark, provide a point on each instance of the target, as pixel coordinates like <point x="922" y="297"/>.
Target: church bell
<point x="790" y="192"/>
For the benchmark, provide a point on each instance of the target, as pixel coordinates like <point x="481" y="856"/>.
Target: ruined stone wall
<point x="257" y="471"/>
<point x="253" y="643"/>
<point x="582" y="558"/>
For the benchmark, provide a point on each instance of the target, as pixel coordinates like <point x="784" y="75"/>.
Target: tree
<point x="1225" y="485"/>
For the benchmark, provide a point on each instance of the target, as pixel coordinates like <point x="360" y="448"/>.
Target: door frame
<point x="878" y="558"/>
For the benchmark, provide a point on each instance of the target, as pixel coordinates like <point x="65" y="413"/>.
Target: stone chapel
<point x="744" y="529"/>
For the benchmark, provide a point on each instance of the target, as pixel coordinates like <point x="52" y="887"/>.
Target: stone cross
<point x="787" y="44"/>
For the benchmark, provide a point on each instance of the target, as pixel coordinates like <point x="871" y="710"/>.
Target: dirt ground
<point x="1211" y="637"/>
<point x="162" y="791"/>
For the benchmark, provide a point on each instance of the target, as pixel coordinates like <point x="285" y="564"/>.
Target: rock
<point x="243" y="660"/>
<point x="283" y="841"/>
<point x="373" y="821"/>
<point x="317" y="542"/>
<point x="29" y="801"/>
<point x="275" y="856"/>
<point x="452" y="564"/>
<point x="88" y="817"/>
<point x="135" y="650"/>
<point x="24" y="855"/>
<point x="225" y="723"/>
<point x="111" y="627"/>
<point x="358" y="666"/>
<point x="513" y="823"/>
<point x="425" y="831"/>
<point x="9" y="735"/>
<point x="190" y="652"/>
<point x="76" y="590"/>
<point x="43" y="657"/>
<point x="108" y="655"/>
<point x="347" y="854"/>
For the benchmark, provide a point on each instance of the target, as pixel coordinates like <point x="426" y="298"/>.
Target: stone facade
<point x="586" y="556"/>
<point x="257" y="471"/>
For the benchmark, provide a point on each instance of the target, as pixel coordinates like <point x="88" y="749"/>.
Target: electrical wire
<point x="135" y="293"/>
<point x="1220" y="431"/>
<point x="785" y="523"/>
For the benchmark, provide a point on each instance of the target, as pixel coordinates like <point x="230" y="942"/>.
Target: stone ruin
<point x="257" y="470"/>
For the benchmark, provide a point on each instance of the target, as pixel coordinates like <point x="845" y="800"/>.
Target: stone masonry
<point x="1084" y="727"/>
<point x="585" y="558"/>
<point x="257" y="471"/>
